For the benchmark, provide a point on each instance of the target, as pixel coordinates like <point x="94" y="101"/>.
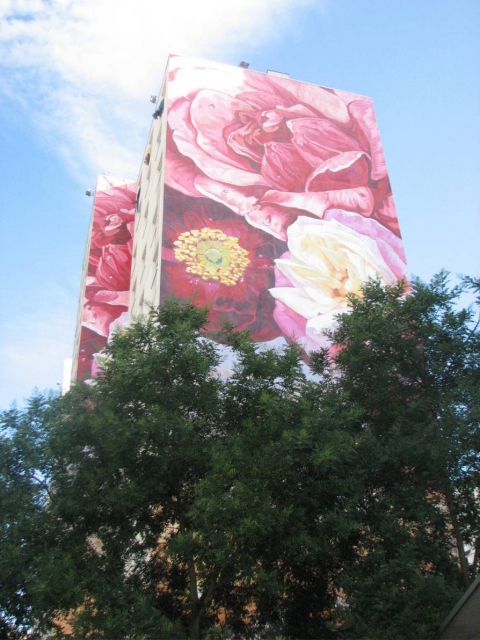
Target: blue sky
<point x="75" y="81"/>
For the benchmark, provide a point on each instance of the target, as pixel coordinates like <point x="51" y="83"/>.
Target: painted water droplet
<point x="93" y="319"/>
<point x="224" y="191"/>
<point x="211" y="107"/>
<point x="268" y="221"/>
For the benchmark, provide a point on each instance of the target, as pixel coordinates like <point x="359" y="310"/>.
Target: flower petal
<point x="272" y="219"/>
<point x="359" y="200"/>
<point x="388" y="243"/>
<point x="296" y="299"/>
<point x="315" y="203"/>
<point x="180" y="171"/>
<point x="311" y="241"/>
<point x="283" y="167"/>
<point x="363" y="113"/>
<point x="115" y="298"/>
<point x="211" y="113"/>
<point x="317" y="139"/>
<point x="386" y="214"/>
<point x="219" y="167"/>
<point x="98" y="317"/>
<point x="263" y="100"/>
<point x="324" y="101"/>
<point x="344" y="171"/>
<point x="238" y="199"/>
<point x="113" y="271"/>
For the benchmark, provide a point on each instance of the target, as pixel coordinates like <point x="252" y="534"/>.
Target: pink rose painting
<point x="107" y="282"/>
<point x="295" y="173"/>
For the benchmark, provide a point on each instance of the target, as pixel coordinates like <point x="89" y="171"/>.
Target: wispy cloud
<point x="85" y="68"/>
<point x="81" y="72"/>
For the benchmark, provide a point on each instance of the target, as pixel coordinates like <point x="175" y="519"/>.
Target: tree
<point x="24" y="530"/>
<point x="128" y="453"/>
<point x="169" y="500"/>
<point x="139" y="485"/>
<point x="267" y="507"/>
<point x="411" y="363"/>
<point x="128" y="548"/>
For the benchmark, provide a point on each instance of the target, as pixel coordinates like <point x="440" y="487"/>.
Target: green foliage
<point x="25" y="531"/>
<point x="170" y="501"/>
<point x="411" y="363"/>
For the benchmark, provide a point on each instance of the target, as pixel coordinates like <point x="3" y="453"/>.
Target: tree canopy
<point x="172" y="500"/>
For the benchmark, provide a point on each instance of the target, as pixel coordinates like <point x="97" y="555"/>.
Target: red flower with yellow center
<point x="220" y="261"/>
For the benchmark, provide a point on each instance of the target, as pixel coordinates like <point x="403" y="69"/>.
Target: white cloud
<point x="85" y="68"/>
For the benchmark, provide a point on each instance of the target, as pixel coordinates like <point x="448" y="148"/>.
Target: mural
<point x="277" y="200"/>
<point x="107" y="282"/>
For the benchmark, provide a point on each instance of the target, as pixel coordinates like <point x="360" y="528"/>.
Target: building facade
<point x="265" y="198"/>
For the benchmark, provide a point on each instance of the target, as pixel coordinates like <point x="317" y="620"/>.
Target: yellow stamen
<point x="212" y="255"/>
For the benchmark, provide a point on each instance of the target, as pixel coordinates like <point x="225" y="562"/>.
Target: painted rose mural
<point x="278" y="203"/>
<point x="107" y="282"/>
<point x="277" y="207"/>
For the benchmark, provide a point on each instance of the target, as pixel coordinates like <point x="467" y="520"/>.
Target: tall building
<point x="105" y="287"/>
<point x="265" y="198"/>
